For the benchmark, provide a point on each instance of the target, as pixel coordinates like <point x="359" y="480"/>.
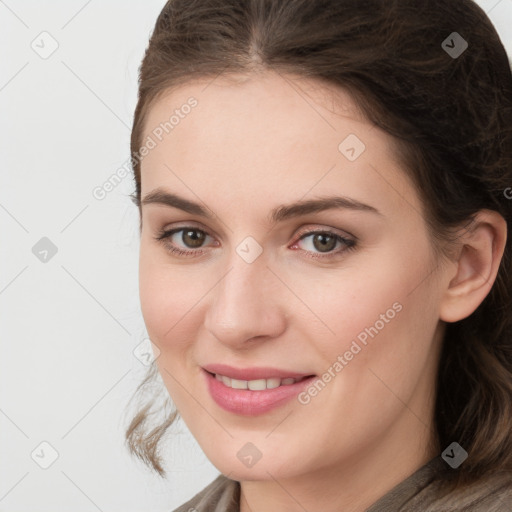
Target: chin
<point x="241" y="467"/>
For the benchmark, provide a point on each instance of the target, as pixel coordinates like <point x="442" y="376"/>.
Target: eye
<point x="324" y="242"/>
<point x="319" y="244"/>
<point x="191" y="238"/>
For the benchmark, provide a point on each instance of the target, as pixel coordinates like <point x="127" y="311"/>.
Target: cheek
<point x="167" y="303"/>
<point x="382" y="357"/>
<point x="167" y="298"/>
<point x="343" y="305"/>
<point x="379" y="312"/>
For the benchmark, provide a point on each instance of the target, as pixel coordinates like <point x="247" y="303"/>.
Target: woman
<point x="325" y="271"/>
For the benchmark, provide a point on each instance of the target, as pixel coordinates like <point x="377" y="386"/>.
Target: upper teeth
<point x="255" y="385"/>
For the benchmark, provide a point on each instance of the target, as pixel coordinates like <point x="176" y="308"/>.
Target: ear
<point x="476" y="266"/>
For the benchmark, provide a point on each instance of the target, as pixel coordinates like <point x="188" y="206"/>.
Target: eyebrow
<point x="280" y="213"/>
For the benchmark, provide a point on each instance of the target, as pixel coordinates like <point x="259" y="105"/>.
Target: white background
<point x="69" y="326"/>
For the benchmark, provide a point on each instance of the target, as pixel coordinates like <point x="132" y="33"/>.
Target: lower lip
<point x="251" y="403"/>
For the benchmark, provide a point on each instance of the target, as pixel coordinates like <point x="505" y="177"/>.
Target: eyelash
<point x="349" y="244"/>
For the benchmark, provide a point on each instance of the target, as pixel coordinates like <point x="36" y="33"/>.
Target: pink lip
<point x="252" y="403"/>
<point x="254" y="373"/>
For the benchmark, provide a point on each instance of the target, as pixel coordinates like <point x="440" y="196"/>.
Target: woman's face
<point x="349" y="295"/>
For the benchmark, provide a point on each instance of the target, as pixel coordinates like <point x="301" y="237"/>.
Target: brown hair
<point x="451" y="119"/>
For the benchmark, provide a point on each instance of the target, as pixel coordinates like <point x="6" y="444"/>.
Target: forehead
<point x="270" y="136"/>
<point x="259" y="101"/>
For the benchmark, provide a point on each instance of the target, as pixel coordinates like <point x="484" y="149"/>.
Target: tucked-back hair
<point x="451" y="119"/>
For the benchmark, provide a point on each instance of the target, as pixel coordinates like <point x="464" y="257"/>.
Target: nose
<point x="246" y="304"/>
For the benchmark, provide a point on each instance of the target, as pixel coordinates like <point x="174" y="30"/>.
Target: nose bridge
<point x="243" y="304"/>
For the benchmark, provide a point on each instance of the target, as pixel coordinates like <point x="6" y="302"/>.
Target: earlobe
<point x="482" y="247"/>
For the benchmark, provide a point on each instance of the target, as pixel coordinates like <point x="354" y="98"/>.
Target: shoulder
<point x="221" y="495"/>
<point x="490" y="494"/>
<point x="425" y="491"/>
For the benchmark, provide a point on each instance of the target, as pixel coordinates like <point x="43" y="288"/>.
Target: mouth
<point x="257" y="384"/>
<point x="255" y="396"/>
<point x="253" y="373"/>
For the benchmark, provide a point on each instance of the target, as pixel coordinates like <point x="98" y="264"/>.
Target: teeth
<point x="255" y="385"/>
<point x="238" y="384"/>
<point x="273" y="383"/>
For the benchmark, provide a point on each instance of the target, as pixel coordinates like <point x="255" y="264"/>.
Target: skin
<point x="247" y="147"/>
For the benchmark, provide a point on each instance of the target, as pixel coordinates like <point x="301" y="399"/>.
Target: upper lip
<point x="254" y="373"/>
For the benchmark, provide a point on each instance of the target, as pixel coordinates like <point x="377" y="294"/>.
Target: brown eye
<point x="187" y="241"/>
<point x="324" y="242"/>
<point x="193" y="238"/>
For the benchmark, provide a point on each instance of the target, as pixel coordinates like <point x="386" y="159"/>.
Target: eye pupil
<point x="195" y="236"/>
<point x="327" y="242"/>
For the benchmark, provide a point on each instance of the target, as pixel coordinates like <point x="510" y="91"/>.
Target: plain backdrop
<point x="70" y="314"/>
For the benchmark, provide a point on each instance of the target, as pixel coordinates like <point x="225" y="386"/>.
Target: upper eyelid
<point x="334" y="231"/>
<point x="300" y="234"/>
<point x="315" y="226"/>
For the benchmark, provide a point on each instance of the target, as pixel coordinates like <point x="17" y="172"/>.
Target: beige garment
<point x="417" y="493"/>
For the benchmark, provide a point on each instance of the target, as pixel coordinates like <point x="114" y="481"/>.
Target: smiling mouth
<point x="257" y="384"/>
<point x="255" y="396"/>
